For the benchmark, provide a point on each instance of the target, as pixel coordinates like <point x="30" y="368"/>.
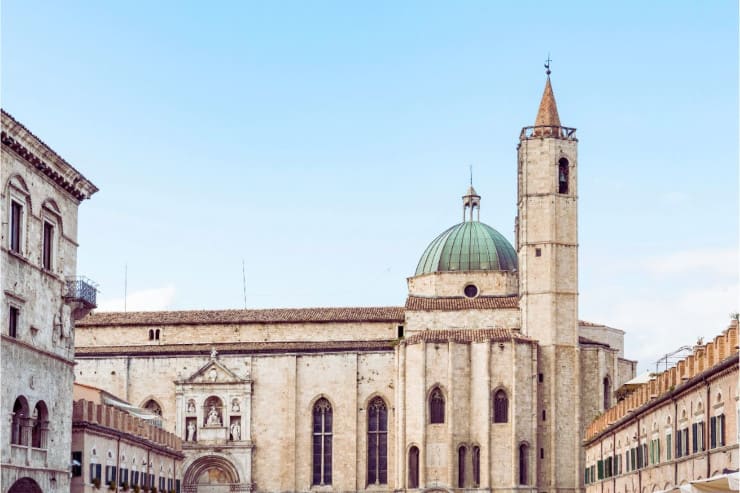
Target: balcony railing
<point x="83" y="291"/>
<point x="539" y="131"/>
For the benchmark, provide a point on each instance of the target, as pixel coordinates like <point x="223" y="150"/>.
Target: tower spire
<point x="547" y="115"/>
<point x="471" y="200"/>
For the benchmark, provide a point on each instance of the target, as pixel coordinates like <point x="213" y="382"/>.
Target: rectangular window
<point x="721" y="430"/>
<point x="177" y="486"/>
<point x="16" y="220"/>
<point x="48" y="246"/>
<point x="633" y="459"/>
<point x="627" y="460"/>
<point x="695" y="436"/>
<point x="685" y="441"/>
<point x="14" y="315"/>
<point x="600" y="469"/>
<point x="668" y="444"/>
<point x="76" y="464"/>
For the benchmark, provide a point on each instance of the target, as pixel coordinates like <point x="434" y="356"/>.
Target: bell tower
<point x="547" y="248"/>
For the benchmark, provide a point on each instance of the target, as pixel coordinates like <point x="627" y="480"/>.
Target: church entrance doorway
<point x="210" y="474"/>
<point x="25" y="485"/>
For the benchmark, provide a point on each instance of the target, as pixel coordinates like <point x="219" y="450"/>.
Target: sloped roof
<point x="270" y="315"/>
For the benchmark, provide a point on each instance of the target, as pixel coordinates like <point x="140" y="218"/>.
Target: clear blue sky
<point x="327" y="143"/>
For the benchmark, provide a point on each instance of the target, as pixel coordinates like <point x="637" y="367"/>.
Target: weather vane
<point x="547" y="65"/>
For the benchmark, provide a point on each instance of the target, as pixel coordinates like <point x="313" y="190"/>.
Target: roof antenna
<point x="471" y="175"/>
<point x="547" y="65"/>
<point x="244" y="284"/>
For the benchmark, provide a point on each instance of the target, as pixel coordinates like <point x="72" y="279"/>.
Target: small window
<point x="563" y="176"/>
<point x="14" y="315"/>
<point x="156" y="334"/>
<point x="399" y="331"/>
<point x="476" y="466"/>
<point x="151" y="335"/>
<point x="413" y="481"/>
<point x="48" y="246"/>
<point x="500" y="407"/>
<point x="538" y="252"/>
<point x="607" y="393"/>
<point x="76" y="464"/>
<point x="542" y="453"/>
<point x="461" y="454"/>
<point x="16" y="222"/>
<point x="471" y="291"/>
<point x="523" y="464"/>
<point x="436" y="407"/>
<point x="541" y="377"/>
<point x="544" y="415"/>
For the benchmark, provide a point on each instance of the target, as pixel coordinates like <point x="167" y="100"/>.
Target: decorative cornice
<point x="54" y="167"/>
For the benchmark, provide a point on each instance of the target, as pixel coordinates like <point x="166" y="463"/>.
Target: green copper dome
<point x="470" y="245"/>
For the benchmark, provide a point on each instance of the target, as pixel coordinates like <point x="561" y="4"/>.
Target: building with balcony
<point x="116" y="445"/>
<point x="676" y="430"/>
<point x="41" y="299"/>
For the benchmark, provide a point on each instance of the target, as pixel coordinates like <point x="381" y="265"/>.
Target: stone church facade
<point x="485" y="380"/>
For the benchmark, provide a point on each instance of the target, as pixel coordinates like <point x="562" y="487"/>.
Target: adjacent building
<point x="118" y="446"/>
<point x="41" y="299"/>
<point x="677" y="429"/>
<point x="485" y="379"/>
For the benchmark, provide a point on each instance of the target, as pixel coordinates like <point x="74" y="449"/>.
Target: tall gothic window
<point x="523" y="464"/>
<point x="436" y="406"/>
<point x="607" y="393"/>
<point x="461" y="455"/>
<point x="476" y="466"/>
<point x="322" y="433"/>
<point x="563" y="176"/>
<point x="500" y="407"/>
<point x="377" y="442"/>
<point x="413" y="468"/>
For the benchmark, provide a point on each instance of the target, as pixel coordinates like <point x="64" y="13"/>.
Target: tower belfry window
<point x="563" y="176"/>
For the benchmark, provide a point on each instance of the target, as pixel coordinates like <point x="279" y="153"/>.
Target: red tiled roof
<point x="467" y="335"/>
<point x="270" y="315"/>
<point x="235" y="348"/>
<point x="460" y="303"/>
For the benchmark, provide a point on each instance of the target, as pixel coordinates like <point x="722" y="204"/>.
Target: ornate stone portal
<point x="213" y="419"/>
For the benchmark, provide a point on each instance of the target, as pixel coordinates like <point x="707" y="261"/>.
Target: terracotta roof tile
<point x="235" y="348"/>
<point x="467" y="336"/>
<point x="460" y="303"/>
<point x="270" y="315"/>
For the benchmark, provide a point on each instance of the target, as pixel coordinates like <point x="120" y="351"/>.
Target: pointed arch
<point x="500" y="404"/>
<point x="377" y="441"/>
<point x="322" y="432"/>
<point x="436" y="405"/>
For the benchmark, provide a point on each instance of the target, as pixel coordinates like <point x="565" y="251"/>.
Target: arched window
<point x="153" y="406"/>
<point x="500" y="407"/>
<point x="436" y="406"/>
<point x="523" y="464"/>
<point x="377" y="442"/>
<point x="461" y="456"/>
<point x="20" y="418"/>
<point x="156" y="334"/>
<point x="476" y="466"/>
<point x="40" y="429"/>
<point x="563" y="176"/>
<point x="151" y="334"/>
<point x="607" y="393"/>
<point x="413" y="468"/>
<point x="322" y="433"/>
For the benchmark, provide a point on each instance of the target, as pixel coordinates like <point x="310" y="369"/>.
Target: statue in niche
<point x="213" y="417"/>
<point x="235" y="406"/>
<point x="191" y="406"/>
<point x="236" y="432"/>
<point x="191" y="432"/>
<point x="213" y="375"/>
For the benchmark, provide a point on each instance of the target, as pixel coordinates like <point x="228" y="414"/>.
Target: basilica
<point x="484" y="379"/>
